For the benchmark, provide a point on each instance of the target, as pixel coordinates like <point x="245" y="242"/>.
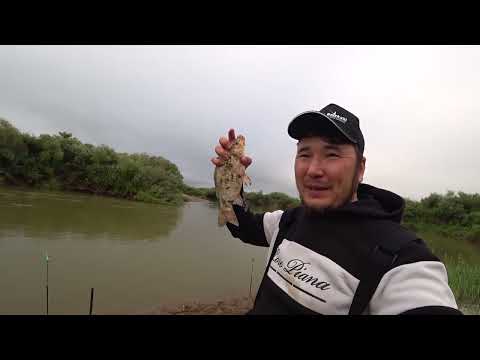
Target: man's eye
<point x="332" y="155"/>
<point x="302" y="155"/>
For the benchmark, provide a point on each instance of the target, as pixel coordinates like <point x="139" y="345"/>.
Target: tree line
<point x="62" y="162"/>
<point x="455" y="214"/>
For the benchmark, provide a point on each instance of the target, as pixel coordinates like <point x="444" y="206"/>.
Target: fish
<point x="229" y="180"/>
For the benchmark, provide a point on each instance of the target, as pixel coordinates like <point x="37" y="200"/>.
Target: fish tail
<point x="227" y="215"/>
<point x="221" y="218"/>
<point x="231" y="217"/>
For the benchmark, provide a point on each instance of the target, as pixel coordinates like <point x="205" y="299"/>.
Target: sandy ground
<point x="240" y="307"/>
<point x="227" y="307"/>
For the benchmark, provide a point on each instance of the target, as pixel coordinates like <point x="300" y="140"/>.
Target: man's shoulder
<point x="289" y="215"/>
<point x="407" y="245"/>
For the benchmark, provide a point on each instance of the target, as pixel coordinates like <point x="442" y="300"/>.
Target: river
<point x="136" y="256"/>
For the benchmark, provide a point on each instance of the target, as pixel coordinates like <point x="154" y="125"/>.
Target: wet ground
<point x="228" y="307"/>
<point x="242" y="306"/>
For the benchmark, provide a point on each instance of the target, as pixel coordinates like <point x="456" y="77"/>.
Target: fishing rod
<point x="251" y="280"/>
<point x="47" y="259"/>
<point x="91" y="302"/>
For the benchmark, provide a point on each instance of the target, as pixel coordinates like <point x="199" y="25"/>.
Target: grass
<point x="462" y="260"/>
<point x="449" y="249"/>
<point x="464" y="281"/>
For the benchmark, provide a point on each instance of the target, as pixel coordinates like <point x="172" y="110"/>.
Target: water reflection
<point x="196" y="260"/>
<point x="52" y="215"/>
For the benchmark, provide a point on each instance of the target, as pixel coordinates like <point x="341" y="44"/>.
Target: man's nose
<point x="316" y="168"/>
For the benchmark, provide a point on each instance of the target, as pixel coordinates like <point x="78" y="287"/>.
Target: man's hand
<point x="223" y="149"/>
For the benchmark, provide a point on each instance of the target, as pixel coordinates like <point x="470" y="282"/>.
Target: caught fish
<point x="229" y="180"/>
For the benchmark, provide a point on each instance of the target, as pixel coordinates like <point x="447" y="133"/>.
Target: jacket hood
<point x="375" y="203"/>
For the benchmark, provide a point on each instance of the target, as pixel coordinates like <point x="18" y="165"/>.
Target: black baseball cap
<point x="330" y="117"/>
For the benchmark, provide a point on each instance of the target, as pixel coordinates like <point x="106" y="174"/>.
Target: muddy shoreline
<point x="239" y="306"/>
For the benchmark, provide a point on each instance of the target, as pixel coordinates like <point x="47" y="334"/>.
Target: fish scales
<point x="229" y="180"/>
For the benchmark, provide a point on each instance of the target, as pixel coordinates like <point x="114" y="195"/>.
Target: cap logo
<point x="337" y="117"/>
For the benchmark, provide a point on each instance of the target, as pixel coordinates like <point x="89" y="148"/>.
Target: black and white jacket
<point x="316" y="269"/>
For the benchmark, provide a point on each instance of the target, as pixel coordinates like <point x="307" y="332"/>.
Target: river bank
<point x="115" y="245"/>
<point x="241" y="306"/>
<point x="237" y="306"/>
<point x="190" y="198"/>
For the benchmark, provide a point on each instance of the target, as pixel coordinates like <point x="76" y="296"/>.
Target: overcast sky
<point x="419" y="106"/>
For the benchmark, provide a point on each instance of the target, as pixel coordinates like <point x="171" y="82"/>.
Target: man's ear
<point x="362" y="169"/>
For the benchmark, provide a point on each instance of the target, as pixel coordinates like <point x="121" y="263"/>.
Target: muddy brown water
<point x="136" y="256"/>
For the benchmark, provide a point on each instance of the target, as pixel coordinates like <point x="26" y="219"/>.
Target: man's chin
<point x="316" y="204"/>
<point x="320" y="205"/>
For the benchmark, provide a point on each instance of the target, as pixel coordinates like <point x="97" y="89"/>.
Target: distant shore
<point x="190" y="198"/>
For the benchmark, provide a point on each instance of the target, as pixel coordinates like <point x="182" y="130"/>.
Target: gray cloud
<point x="417" y="104"/>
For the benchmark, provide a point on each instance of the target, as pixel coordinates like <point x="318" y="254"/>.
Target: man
<point x="343" y="251"/>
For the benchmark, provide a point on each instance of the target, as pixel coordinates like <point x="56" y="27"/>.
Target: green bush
<point x="270" y="202"/>
<point x="413" y="211"/>
<point x="62" y="161"/>
<point x="452" y="209"/>
<point x="147" y="197"/>
<point x="211" y="194"/>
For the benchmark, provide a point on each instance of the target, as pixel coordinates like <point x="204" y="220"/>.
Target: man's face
<point x="327" y="175"/>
